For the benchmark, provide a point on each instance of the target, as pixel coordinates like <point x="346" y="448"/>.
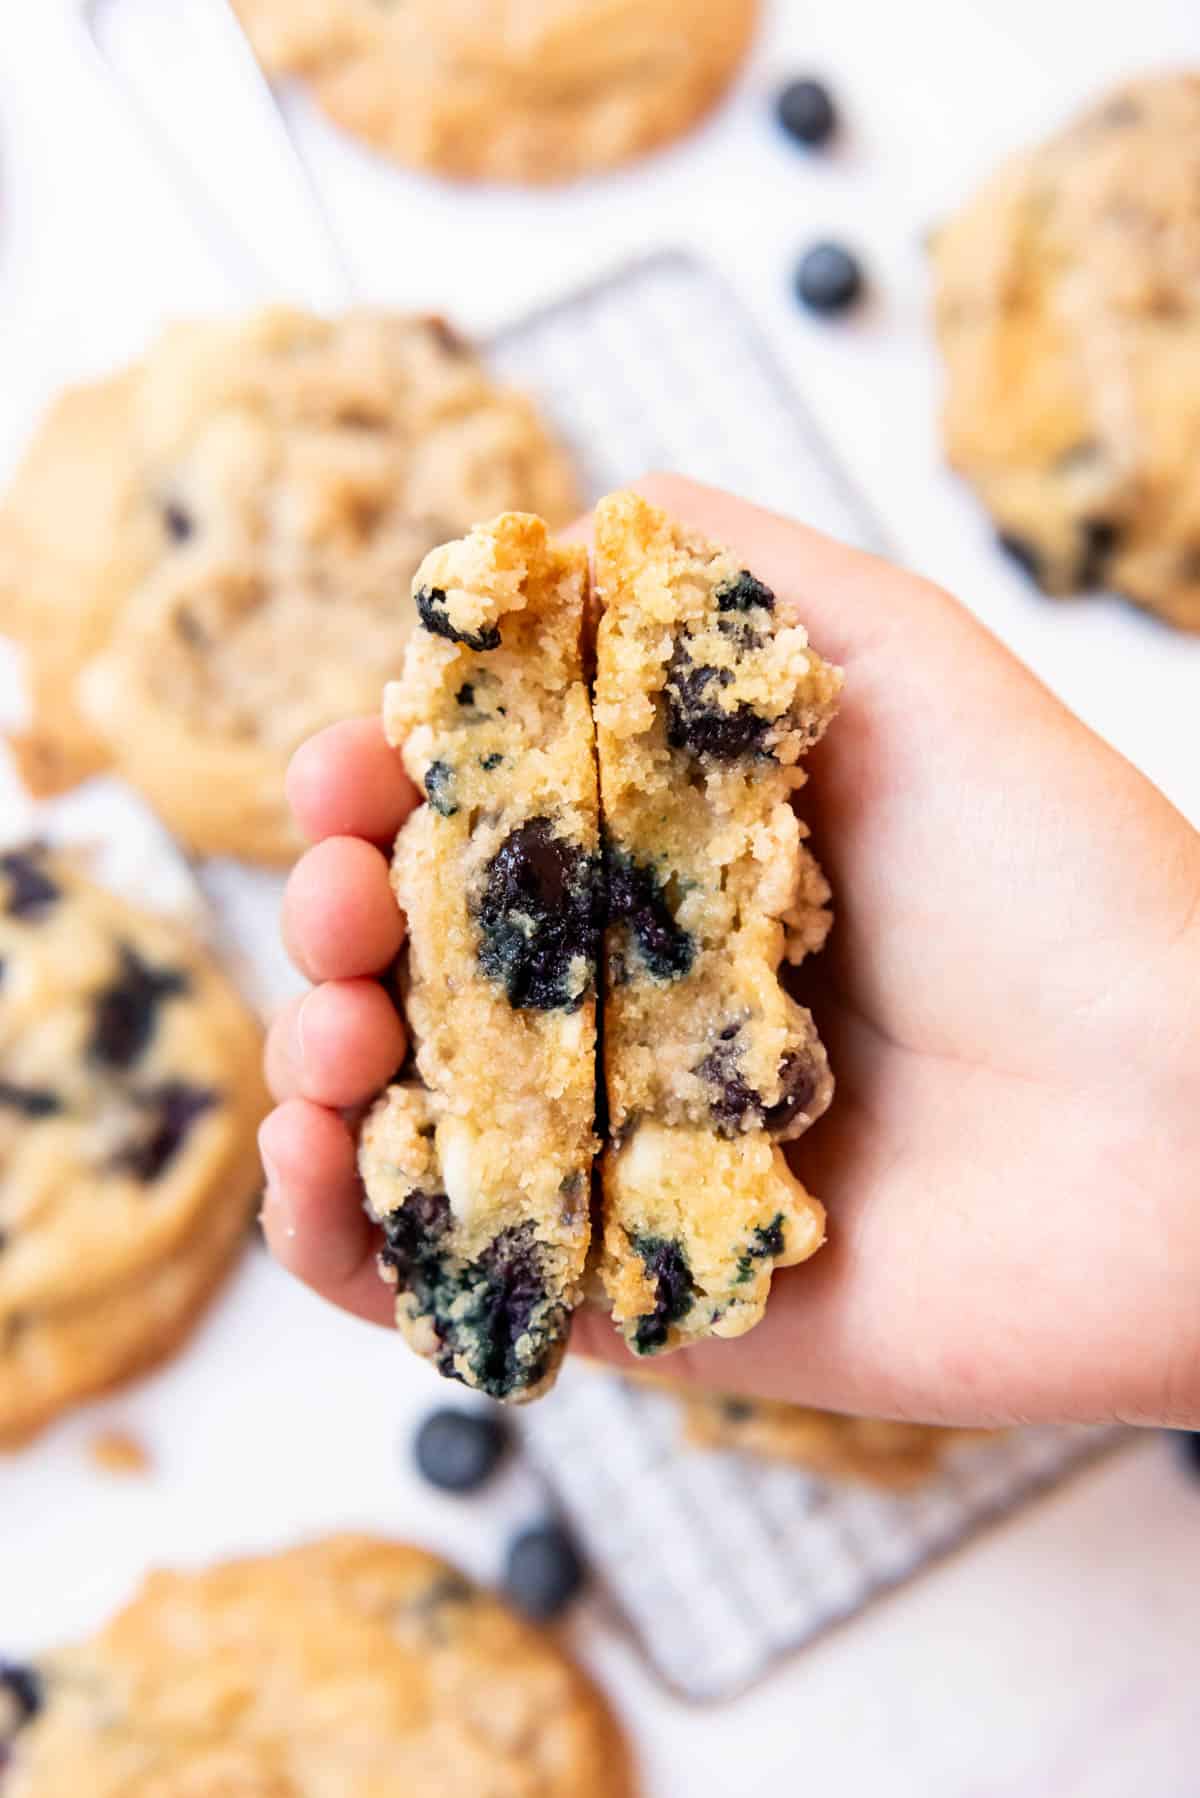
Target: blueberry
<point x="1025" y="554"/>
<point x="543" y="1572"/>
<point x="458" y="1451"/>
<point x="797" y="1090"/>
<point x="126" y="1012"/>
<point x="30" y="889"/>
<point x="697" y="721"/>
<point x="743" y="593"/>
<point x="805" y="110"/>
<point x="439" y="783"/>
<point x="23" y="1690"/>
<point x="174" y="1108"/>
<point x="30" y="1101"/>
<point x="538" y="918"/>
<point x="431" y="609"/>
<point x="828" y="278"/>
<point x="1189" y="1450"/>
<point x="766" y="1241"/>
<point x="177" y="522"/>
<point x="666" y="1266"/>
<point x="635" y="898"/>
<point x="736" y="1410"/>
<point x="1100" y="539"/>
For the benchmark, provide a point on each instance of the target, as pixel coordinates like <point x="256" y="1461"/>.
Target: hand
<point x="1011" y="1000"/>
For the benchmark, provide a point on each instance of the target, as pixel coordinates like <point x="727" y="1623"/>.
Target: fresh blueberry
<point x="458" y="1451"/>
<point x="543" y="1571"/>
<point x="1189" y="1450"/>
<point x="829" y="279"/>
<point x="805" y="110"/>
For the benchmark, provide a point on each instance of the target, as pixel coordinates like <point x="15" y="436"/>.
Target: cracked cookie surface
<point x="478" y="1169"/>
<point x="202" y="556"/>
<point x="520" y="90"/>
<point x="706" y="698"/>
<point x="388" y="1672"/>
<point x="130" y="1092"/>
<point x="1068" y="314"/>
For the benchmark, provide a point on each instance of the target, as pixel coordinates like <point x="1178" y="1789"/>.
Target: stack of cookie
<point x="206" y="557"/>
<point x="130" y="1095"/>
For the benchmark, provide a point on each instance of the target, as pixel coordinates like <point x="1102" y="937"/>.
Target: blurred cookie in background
<point x="130" y="1095"/>
<point x="865" y="1449"/>
<point x="209" y="557"/>
<point x="508" y="90"/>
<point x="348" y="1665"/>
<point x="1068" y="313"/>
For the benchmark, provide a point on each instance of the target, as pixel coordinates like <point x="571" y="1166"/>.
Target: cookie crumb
<point x="120" y="1452"/>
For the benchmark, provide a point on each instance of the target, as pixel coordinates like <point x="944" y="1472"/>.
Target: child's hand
<point x="1011" y="999"/>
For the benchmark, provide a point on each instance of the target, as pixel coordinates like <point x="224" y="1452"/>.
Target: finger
<point x="337" y="1045"/>
<point x="340" y="919"/>
<point x="348" y="781"/>
<point x="312" y="1213"/>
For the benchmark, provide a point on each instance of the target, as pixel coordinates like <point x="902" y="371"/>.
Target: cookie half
<point x="478" y="1169"/>
<point x="866" y="1449"/>
<point x="707" y="697"/>
<point x="388" y="1672"/>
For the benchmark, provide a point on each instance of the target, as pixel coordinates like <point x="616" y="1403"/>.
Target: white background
<point x="1061" y="1655"/>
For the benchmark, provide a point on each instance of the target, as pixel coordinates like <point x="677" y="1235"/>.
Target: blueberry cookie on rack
<point x="707" y="696"/>
<point x="865" y="1449"/>
<point x="478" y="1167"/>
<point x="244" y="506"/>
<point x="130" y="1094"/>
<point x="389" y="1672"/>
<point x="1068" y="313"/>
<point x="508" y="90"/>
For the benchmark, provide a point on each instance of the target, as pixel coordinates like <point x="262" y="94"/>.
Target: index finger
<point x="348" y="781"/>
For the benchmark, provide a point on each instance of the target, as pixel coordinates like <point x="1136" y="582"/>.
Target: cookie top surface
<point x="1068" y="312"/>
<point x="349" y="1668"/>
<point x="266" y="489"/>
<point x="524" y="90"/>
<point x="130" y="1088"/>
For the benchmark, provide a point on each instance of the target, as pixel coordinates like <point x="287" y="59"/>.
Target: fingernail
<point x="276" y="1215"/>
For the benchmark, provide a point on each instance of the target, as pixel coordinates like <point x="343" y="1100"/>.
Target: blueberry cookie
<point x="388" y="1672"/>
<point x="707" y="696"/>
<point x="509" y="90"/>
<point x="865" y="1449"/>
<point x="130" y="1093"/>
<point x="478" y="1170"/>
<point x="1068" y="312"/>
<point x="244" y="507"/>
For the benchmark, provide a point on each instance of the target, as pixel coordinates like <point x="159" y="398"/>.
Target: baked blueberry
<point x="696" y="720"/>
<point x="30" y="1101"/>
<point x="126" y="1012"/>
<point x="543" y="1572"/>
<point x="431" y="609"/>
<point x="177" y="521"/>
<point x="538" y="919"/>
<point x="1189" y="1450"/>
<point x="829" y="278"/>
<point x="1100" y="541"/>
<point x="439" y="786"/>
<point x="1021" y="551"/>
<point x="805" y="110"/>
<point x="30" y="888"/>
<point x="21" y="1697"/>
<point x="458" y="1451"/>
<point x="635" y="898"/>
<point x="743" y="594"/>
<point x="173" y="1108"/>
<point x="665" y="1265"/>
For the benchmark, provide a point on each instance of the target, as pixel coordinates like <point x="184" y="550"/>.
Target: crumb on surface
<point x="119" y="1451"/>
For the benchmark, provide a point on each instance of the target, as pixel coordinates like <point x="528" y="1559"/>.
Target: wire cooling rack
<point x="721" y="1564"/>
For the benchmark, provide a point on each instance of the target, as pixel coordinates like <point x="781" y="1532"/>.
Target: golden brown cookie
<point x="257" y="497"/>
<point x="350" y="1667"/>
<point x="508" y="90"/>
<point x="479" y="1170"/>
<point x="866" y="1449"/>
<point x="130" y="1094"/>
<point x="1068" y="313"/>
<point x="707" y="697"/>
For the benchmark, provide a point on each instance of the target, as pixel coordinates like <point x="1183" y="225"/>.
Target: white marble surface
<point x="1060" y="1656"/>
